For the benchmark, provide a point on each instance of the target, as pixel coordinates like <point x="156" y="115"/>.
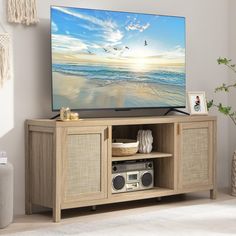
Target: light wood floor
<point x="37" y="221"/>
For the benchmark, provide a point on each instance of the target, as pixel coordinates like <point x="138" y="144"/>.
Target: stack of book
<point x="3" y="158"/>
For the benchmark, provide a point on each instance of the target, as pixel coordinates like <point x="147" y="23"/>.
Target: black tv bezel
<point x="115" y="108"/>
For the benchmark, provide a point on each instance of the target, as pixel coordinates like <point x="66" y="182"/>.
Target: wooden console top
<point x="120" y="121"/>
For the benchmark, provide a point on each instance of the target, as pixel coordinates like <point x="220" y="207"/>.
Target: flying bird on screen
<point x="145" y="43"/>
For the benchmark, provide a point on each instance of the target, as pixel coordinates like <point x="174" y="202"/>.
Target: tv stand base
<point x="54" y="117"/>
<point x="176" y="110"/>
<point x="74" y="160"/>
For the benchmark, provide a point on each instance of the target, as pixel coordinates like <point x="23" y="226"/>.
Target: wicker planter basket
<point x="124" y="147"/>
<point x="233" y="183"/>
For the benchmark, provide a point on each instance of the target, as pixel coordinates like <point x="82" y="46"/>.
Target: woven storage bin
<point x="6" y="195"/>
<point x="233" y="183"/>
<point x="124" y="147"/>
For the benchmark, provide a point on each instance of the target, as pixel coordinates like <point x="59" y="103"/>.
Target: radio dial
<point x="150" y="165"/>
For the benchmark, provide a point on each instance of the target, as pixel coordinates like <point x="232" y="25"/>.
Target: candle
<point x="74" y="116"/>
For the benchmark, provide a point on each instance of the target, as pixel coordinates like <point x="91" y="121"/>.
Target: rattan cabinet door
<point x="85" y="164"/>
<point x="195" y="155"/>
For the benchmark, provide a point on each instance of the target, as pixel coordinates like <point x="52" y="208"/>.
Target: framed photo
<point x="197" y="103"/>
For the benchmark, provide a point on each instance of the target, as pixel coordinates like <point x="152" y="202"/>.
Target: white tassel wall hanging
<point x="5" y="68"/>
<point x="22" y="11"/>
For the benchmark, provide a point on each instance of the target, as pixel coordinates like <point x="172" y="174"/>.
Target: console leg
<point x="213" y="194"/>
<point x="93" y="208"/>
<point x="158" y="199"/>
<point x="28" y="208"/>
<point x="56" y="214"/>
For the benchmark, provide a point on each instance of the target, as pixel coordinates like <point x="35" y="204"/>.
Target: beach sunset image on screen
<point x="108" y="59"/>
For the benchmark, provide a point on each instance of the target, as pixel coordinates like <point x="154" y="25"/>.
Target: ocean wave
<point x="116" y="74"/>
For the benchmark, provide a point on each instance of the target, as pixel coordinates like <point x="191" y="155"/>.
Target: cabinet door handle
<point x="106" y="134"/>
<point x="178" y="129"/>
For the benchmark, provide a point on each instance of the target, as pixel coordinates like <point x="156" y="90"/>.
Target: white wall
<point x="207" y="39"/>
<point x="6" y="94"/>
<point x="232" y="79"/>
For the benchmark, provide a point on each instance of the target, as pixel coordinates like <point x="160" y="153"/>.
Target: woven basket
<point x="124" y="147"/>
<point x="233" y="177"/>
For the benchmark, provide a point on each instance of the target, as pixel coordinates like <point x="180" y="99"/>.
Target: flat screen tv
<point x="116" y="60"/>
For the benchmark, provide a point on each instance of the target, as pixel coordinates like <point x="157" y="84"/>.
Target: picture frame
<point x="197" y="103"/>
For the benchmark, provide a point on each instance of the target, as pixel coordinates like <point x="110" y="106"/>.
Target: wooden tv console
<point x="69" y="164"/>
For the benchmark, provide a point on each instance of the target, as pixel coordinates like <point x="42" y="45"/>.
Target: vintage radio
<point x="132" y="176"/>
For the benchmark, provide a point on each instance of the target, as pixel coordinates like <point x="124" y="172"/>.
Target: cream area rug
<point x="214" y="218"/>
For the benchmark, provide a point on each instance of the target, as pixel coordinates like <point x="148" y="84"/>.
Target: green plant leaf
<point x="209" y="104"/>
<point x="224" y="61"/>
<point x="224" y="109"/>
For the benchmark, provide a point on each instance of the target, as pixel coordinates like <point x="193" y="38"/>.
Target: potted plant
<point x="228" y="111"/>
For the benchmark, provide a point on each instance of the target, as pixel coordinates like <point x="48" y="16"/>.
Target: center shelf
<point x="147" y="193"/>
<point x="140" y="156"/>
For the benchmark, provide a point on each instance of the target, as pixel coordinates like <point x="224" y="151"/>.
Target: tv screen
<point x="116" y="60"/>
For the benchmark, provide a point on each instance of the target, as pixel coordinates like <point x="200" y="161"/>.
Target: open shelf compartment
<point x="162" y="156"/>
<point x="163" y="176"/>
<point x="163" y="140"/>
